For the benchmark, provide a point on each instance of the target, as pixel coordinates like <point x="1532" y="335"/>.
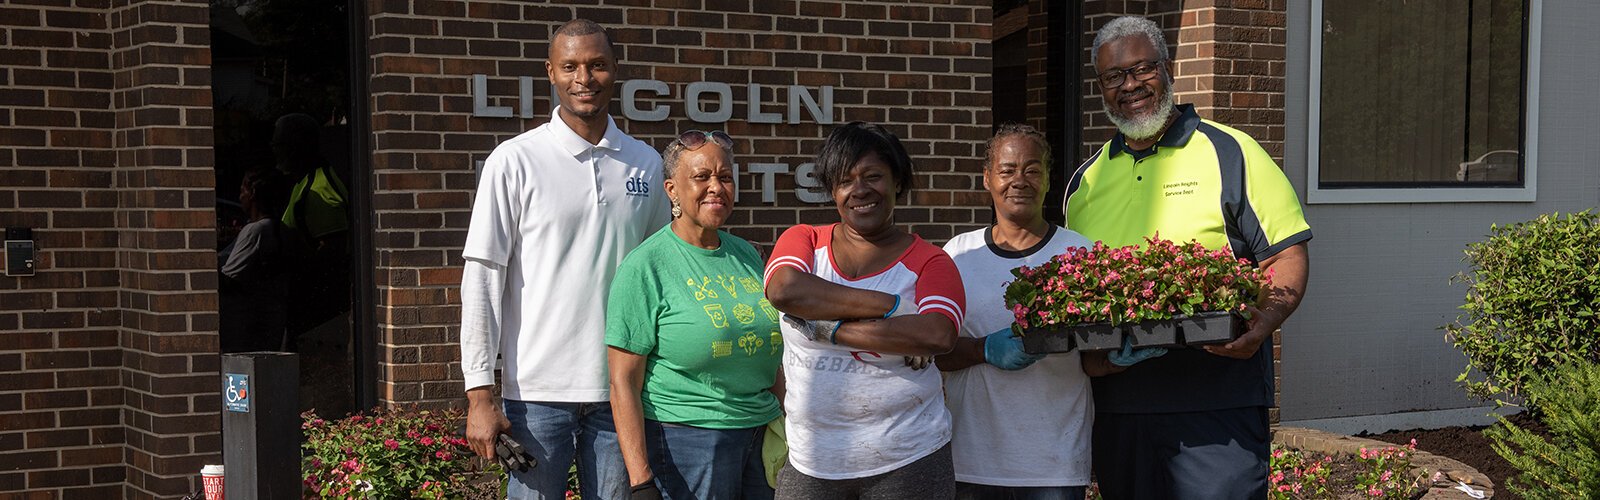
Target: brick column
<point x="60" y="366"/>
<point x="166" y="231"/>
<point x="1231" y="67"/>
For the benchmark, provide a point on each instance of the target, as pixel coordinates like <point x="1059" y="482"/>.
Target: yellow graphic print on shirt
<point x="730" y="284"/>
<point x="721" y="348"/>
<point x="744" y="313"/>
<point x="718" y="318"/>
<point x="771" y="312"/>
<point x="702" y="291"/>
<point x="750" y="343"/>
<point x="751" y="285"/>
<point x="777" y="342"/>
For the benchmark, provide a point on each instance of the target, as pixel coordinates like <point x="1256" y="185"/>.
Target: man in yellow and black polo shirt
<point x="1184" y="423"/>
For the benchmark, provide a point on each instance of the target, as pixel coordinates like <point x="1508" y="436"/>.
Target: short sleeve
<point x="795" y="248"/>
<point x="939" y="288"/>
<point x="634" y="306"/>
<point x="493" y="233"/>
<point x="1273" y="203"/>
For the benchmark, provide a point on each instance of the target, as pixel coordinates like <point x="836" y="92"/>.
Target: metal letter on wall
<point x="630" y="106"/>
<point x="806" y="185"/>
<point x="480" y="100"/>
<point x="768" y="171"/>
<point x="755" y="115"/>
<point x="823" y="113"/>
<point x="724" y="98"/>
<point x="525" y="95"/>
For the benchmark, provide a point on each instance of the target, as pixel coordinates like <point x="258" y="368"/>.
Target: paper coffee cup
<point x="211" y="478"/>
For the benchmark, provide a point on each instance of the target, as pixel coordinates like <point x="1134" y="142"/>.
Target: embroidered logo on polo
<point x="637" y="186"/>
<point x="1179" y="188"/>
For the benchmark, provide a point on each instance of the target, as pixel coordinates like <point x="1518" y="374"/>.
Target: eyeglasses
<point x="1142" y="72"/>
<point x="693" y="139"/>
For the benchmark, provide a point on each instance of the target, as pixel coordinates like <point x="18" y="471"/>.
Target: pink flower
<point x="426" y="441"/>
<point x="391" y="444"/>
<point x="442" y="455"/>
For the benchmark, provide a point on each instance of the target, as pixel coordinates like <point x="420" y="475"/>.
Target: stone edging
<point x="1327" y="442"/>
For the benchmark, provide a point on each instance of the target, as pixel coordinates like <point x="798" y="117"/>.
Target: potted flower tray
<point x="1199" y="329"/>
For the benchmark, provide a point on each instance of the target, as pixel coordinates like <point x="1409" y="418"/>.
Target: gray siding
<point x="1366" y="340"/>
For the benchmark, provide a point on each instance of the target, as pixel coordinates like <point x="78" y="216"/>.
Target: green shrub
<point x="1532" y="302"/>
<point x="1567" y="464"/>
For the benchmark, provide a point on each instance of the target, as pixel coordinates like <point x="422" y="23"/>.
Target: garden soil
<point x="1467" y="445"/>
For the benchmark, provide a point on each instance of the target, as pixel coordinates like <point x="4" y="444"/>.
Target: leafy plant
<point x="1131" y="284"/>
<point x="1567" y="464"/>
<point x="1293" y="476"/>
<point x="1532" y="303"/>
<point x="392" y="453"/>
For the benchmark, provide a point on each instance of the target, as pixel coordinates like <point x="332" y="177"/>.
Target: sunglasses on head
<point x="693" y="139"/>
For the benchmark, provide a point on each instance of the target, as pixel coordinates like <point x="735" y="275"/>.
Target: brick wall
<point x="922" y="68"/>
<point x="110" y="353"/>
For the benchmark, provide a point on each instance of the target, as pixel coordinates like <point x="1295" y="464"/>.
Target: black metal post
<point x="261" y="425"/>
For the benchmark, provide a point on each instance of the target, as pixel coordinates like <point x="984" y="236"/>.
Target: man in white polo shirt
<point x="557" y="209"/>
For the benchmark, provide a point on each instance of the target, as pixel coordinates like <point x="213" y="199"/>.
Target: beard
<point x="1149" y="125"/>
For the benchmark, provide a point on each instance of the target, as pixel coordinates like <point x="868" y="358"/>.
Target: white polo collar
<point x="575" y="144"/>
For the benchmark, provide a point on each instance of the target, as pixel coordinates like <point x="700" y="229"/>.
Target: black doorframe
<point x="363" y="324"/>
<point x="1063" y="109"/>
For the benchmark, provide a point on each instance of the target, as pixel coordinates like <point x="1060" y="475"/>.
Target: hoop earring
<point x="677" y="210"/>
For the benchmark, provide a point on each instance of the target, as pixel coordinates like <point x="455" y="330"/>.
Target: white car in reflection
<point x="1494" y="166"/>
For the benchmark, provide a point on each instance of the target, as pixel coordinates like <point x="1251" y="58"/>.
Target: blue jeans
<point x="553" y="433"/>
<point x="693" y="463"/>
<point x="970" y="491"/>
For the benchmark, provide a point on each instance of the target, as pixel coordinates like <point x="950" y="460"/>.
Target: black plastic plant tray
<point x="1205" y="328"/>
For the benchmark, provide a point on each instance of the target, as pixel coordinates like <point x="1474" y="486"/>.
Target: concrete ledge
<point x="1422" y="462"/>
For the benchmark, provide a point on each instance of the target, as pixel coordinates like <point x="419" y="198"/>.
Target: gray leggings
<point x="930" y="477"/>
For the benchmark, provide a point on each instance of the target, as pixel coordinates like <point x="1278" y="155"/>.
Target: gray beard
<point x="1145" y="127"/>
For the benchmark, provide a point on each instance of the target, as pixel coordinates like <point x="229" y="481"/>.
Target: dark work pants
<point x="1218" y="454"/>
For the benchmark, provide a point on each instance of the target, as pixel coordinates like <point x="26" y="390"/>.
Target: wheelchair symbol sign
<point x="237" y="393"/>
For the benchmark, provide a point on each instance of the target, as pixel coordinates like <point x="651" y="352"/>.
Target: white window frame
<point x="1525" y="193"/>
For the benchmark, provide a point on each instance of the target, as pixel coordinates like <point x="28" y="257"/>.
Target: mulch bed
<point x="1467" y="445"/>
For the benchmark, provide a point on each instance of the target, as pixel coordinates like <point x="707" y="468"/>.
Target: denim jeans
<point x="693" y="463"/>
<point x="969" y="491"/>
<point x="553" y="433"/>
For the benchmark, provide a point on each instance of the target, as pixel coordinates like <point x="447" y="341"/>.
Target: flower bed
<point x="1160" y="294"/>
<point x="392" y="453"/>
<point x="1383" y="473"/>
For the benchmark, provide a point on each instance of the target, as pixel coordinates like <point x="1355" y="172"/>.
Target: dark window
<point x="1422" y="94"/>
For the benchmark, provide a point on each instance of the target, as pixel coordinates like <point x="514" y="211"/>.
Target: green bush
<point x="1567" y="464"/>
<point x="1531" y="305"/>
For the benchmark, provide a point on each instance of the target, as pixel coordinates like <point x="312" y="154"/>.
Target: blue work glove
<point x="1003" y="349"/>
<point x="1128" y="356"/>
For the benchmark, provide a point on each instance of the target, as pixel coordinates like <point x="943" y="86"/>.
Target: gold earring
<point x="677" y="210"/>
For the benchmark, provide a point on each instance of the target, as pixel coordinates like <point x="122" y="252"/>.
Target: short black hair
<point x="852" y="141"/>
<point x="1010" y="130"/>
<point x="583" y="27"/>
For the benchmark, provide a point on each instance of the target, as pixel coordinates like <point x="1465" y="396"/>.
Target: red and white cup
<point x="211" y="478"/>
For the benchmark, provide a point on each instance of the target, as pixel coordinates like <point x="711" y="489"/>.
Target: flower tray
<point x="1205" y="328"/>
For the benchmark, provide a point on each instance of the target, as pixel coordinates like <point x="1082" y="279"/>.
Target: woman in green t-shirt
<point x="694" y="345"/>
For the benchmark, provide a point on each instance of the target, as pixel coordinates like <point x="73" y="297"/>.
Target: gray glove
<point x="815" y="331"/>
